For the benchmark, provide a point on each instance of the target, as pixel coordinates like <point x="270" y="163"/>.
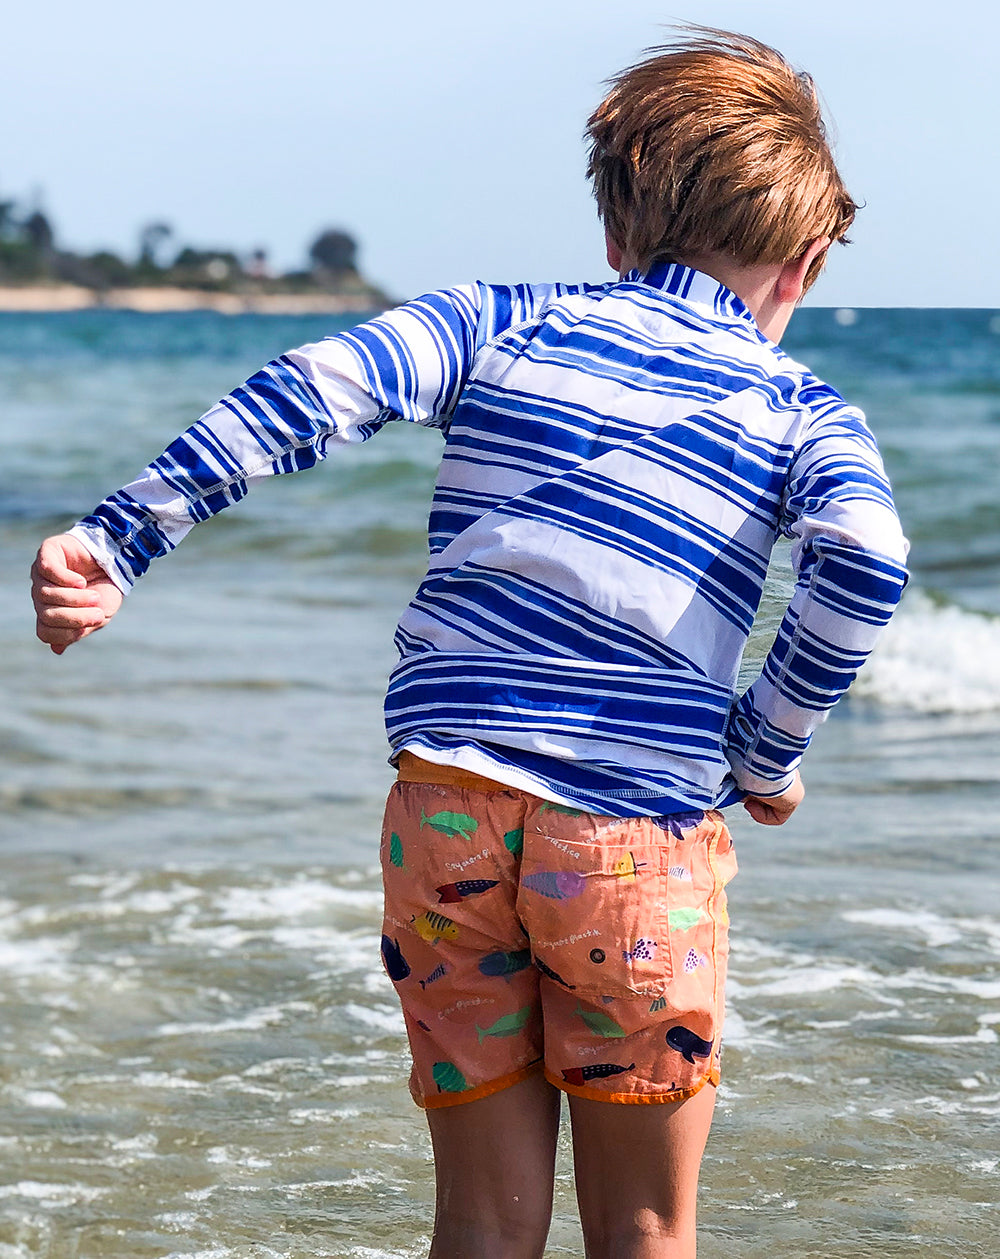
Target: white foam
<point x="935" y="659"/>
<point x="293" y="901"/>
<point x="935" y="930"/>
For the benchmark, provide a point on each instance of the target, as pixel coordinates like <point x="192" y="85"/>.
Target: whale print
<point x="433" y="927"/>
<point x="450" y="824"/>
<point x="448" y="1078"/>
<point x="557" y="885"/>
<point x="595" y="1071"/>
<point x="549" y="973"/>
<point x="504" y="964"/>
<point x="507" y="1025"/>
<point x="599" y="1023"/>
<point x="678" y="823"/>
<point x="396" y="965"/>
<point x="449" y="893"/>
<point x="688" y="1044"/>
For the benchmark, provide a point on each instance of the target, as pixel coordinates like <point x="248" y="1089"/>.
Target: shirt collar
<point x="694" y="288"/>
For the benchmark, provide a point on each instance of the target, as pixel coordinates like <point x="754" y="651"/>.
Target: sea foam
<point x="935" y="658"/>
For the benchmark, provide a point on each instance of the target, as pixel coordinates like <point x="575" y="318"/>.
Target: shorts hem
<point x="438" y="1100"/>
<point x="635" y="1099"/>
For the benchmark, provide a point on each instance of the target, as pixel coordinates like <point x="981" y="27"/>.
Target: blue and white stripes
<point x="618" y="462"/>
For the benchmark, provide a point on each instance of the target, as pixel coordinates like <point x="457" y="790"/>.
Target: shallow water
<point x="200" y="1054"/>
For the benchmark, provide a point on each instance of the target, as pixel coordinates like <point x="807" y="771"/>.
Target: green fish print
<point x="508" y="1025"/>
<point x="450" y="824"/>
<point x="684" y="919"/>
<point x="549" y="807"/>
<point x="513" y="841"/>
<point x="448" y="1078"/>
<point x="396" y="850"/>
<point x="600" y="1024"/>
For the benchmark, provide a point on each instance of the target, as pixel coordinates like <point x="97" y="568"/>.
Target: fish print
<point x="688" y="1044"/>
<point x="448" y="1078"/>
<point x="549" y="973"/>
<point x="643" y="951"/>
<point x="504" y="964"/>
<point x="450" y="824"/>
<point x="599" y="1023"/>
<point x="550" y="807"/>
<point x="557" y="885"/>
<point x="595" y="1071"/>
<point x="433" y="927"/>
<point x="507" y="1025"/>
<point x="449" y="893"/>
<point x="396" y="965"/>
<point x="693" y="960"/>
<point x="680" y="872"/>
<point x="513" y="841"/>
<point x="657" y="1004"/>
<point x="678" y="823"/>
<point x="396" y="850"/>
<point x="625" y="867"/>
<point x="437" y="973"/>
<point x="684" y="919"/>
<point x="422" y="1024"/>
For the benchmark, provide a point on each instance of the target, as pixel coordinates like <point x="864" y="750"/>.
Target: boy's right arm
<point x="409" y="364"/>
<point x="72" y="594"/>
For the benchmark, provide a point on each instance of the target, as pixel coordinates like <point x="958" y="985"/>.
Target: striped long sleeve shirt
<point x="618" y="462"/>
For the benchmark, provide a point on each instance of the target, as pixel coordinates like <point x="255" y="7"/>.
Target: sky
<point x="446" y="136"/>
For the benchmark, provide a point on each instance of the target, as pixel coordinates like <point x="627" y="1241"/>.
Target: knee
<point x="514" y="1230"/>
<point x="645" y="1235"/>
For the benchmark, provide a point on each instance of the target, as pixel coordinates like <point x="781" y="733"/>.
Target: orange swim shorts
<point x="523" y="935"/>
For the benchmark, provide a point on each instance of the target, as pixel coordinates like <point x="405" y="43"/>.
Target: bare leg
<point x="637" y="1175"/>
<point x="494" y="1163"/>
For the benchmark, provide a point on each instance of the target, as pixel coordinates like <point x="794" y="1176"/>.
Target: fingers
<point x="59" y="561"/>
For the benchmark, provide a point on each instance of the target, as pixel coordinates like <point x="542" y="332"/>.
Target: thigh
<point x="494" y="1163"/>
<point x="637" y="1174"/>
<point x="452" y="943"/>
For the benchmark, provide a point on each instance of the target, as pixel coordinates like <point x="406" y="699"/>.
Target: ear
<point x="614" y="253"/>
<point x="791" y="282"/>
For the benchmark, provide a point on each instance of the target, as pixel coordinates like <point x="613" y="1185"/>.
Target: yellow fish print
<point x="433" y="927"/>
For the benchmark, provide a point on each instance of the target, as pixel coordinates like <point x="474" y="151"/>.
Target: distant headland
<point x="37" y="274"/>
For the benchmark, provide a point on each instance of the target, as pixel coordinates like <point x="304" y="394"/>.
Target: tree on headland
<point x="152" y="237"/>
<point x="334" y="252"/>
<point x="29" y="254"/>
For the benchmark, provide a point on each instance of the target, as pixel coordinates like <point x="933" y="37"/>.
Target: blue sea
<point x="201" y="1057"/>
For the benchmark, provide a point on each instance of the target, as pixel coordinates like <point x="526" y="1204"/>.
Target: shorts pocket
<point x="597" y="911"/>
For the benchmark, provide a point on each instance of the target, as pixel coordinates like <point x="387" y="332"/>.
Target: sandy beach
<point x="158" y="299"/>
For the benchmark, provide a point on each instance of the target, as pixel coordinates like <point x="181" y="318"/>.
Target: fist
<point x="72" y="594"/>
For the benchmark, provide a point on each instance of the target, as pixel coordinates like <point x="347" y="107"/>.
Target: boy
<point x="618" y="462"/>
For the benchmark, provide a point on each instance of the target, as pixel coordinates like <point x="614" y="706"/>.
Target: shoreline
<point x="54" y="298"/>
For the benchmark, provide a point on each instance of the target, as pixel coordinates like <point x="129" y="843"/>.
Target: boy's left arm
<point x="849" y="555"/>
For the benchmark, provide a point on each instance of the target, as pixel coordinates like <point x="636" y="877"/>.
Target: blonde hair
<point x="714" y="144"/>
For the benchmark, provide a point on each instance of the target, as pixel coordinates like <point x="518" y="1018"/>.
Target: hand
<point x="774" y="810"/>
<point x="72" y="594"/>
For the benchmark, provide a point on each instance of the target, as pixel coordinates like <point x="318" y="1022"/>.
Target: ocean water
<point x="199" y="1054"/>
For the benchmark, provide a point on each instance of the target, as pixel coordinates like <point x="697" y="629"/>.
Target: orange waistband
<point x="413" y="769"/>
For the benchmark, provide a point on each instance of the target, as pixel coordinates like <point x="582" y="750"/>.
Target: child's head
<point x="715" y="145"/>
